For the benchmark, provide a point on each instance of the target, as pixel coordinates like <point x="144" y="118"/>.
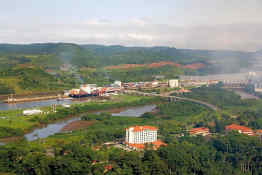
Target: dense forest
<point x="244" y="112"/>
<point x="72" y="64"/>
<point x="232" y="155"/>
<point x="83" y="151"/>
<point x="99" y="55"/>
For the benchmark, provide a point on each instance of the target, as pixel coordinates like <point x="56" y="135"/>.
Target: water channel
<point x="34" y="104"/>
<point x="53" y="128"/>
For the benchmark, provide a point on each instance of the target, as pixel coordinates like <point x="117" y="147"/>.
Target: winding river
<point x="53" y="128"/>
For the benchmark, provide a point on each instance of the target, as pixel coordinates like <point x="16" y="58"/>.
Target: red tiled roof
<point x="156" y="145"/>
<point x="141" y="128"/>
<point x="242" y="129"/>
<point x="159" y="143"/>
<point x="138" y="146"/>
<point x="108" y="167"/>
<point x="238" y="127"/>
<point x="198" y="130"/>
<point x="184" y="90"/>
<point x="259" y="131"/>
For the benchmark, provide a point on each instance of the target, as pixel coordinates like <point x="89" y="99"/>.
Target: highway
<point x="167" y="95"/>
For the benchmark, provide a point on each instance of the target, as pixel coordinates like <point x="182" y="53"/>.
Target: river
<point x="53" y="128"/>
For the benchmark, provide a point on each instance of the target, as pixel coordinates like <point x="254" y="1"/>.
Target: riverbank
<point x="20" y="100"/>
<point x="31" y="95"/>
<point x="28" y="124"/>
<point x="77" y="125"/>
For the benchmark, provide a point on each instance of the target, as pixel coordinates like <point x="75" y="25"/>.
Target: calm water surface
<point x="53" y="128"/>
<point x="26" y="105"/>
<point x="48" y="130"/>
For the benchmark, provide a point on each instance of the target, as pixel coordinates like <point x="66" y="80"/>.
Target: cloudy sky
<point x="197" y="24"/>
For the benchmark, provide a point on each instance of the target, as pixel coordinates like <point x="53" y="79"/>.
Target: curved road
<point x="213" y="107"/>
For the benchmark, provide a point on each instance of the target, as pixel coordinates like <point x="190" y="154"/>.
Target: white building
<point x="118" y="83"/>
<point x="173" y="83"/>
<point x="141" y="134"/>
<point x="32" y="112"/>
<point x="258" y="87"/>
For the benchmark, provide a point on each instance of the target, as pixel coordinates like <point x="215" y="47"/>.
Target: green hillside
<point x="51" y="54"/>
<point x="52" y="66"/>
<point x="28" y="80"/>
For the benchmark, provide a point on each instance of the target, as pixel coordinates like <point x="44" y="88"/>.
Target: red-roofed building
<point x="182" y="90"/>
<point x="107" y="168"/>
<point x="259" y="133"/>
<point x="143" y="128"/>
<point x="138" y="136"/>
<point x="199" y="131"/>
<point x="240" y="129"/>
<point x="136" y="146"/>
<point x="157" y="144"/>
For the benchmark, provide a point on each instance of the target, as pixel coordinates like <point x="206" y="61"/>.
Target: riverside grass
<point x="13" y="123"/>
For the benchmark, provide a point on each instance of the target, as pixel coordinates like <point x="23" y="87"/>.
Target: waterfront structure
<point x="32" y="112"/>
<point x="118" y="84"/>
<point x="138" y="136"/>
<point x="240" y="129"/>
<point x="155" y="83"/>
<point x="173" y="83"/>
<point x="258" y="87"/>
<point x="199" y="131"/>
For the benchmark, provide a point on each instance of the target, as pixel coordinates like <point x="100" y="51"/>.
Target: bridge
<point x="235" y="85"/>
<point x="173" y="98"/>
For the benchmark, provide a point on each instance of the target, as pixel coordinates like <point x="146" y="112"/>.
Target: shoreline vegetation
<point x="15" y="124"/>
<point x="95" y="147"/>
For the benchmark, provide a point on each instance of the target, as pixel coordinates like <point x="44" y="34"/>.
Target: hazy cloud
<point x="198" y="24"/>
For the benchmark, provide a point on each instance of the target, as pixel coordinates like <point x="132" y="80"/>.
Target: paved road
<point x="213" y="107"/>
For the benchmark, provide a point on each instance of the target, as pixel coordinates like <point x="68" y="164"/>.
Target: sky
<point x="191" y="24"/>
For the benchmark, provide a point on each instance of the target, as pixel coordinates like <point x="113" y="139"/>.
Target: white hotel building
<point x="141" y="134"/>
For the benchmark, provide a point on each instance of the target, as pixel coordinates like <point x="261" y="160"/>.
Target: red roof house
<point x="156" y="144"/>
<point x="240" y="129"/>
<point x="199" y="131"/>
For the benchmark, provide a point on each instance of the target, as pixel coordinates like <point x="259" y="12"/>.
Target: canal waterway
<point x="33" y="104"/>
<point x="54" y="128"/>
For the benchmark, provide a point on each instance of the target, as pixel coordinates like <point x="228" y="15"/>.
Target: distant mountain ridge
<point x="64" y="65"/>
<point x="100" y="55"/>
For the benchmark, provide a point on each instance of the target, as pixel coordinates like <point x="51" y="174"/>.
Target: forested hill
<point x="99" y="55"/>
<point x="71" y="64"/>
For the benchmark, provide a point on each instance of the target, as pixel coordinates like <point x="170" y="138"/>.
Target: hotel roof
<point x="142" y="128"/>
<point x="156" y="144"/>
